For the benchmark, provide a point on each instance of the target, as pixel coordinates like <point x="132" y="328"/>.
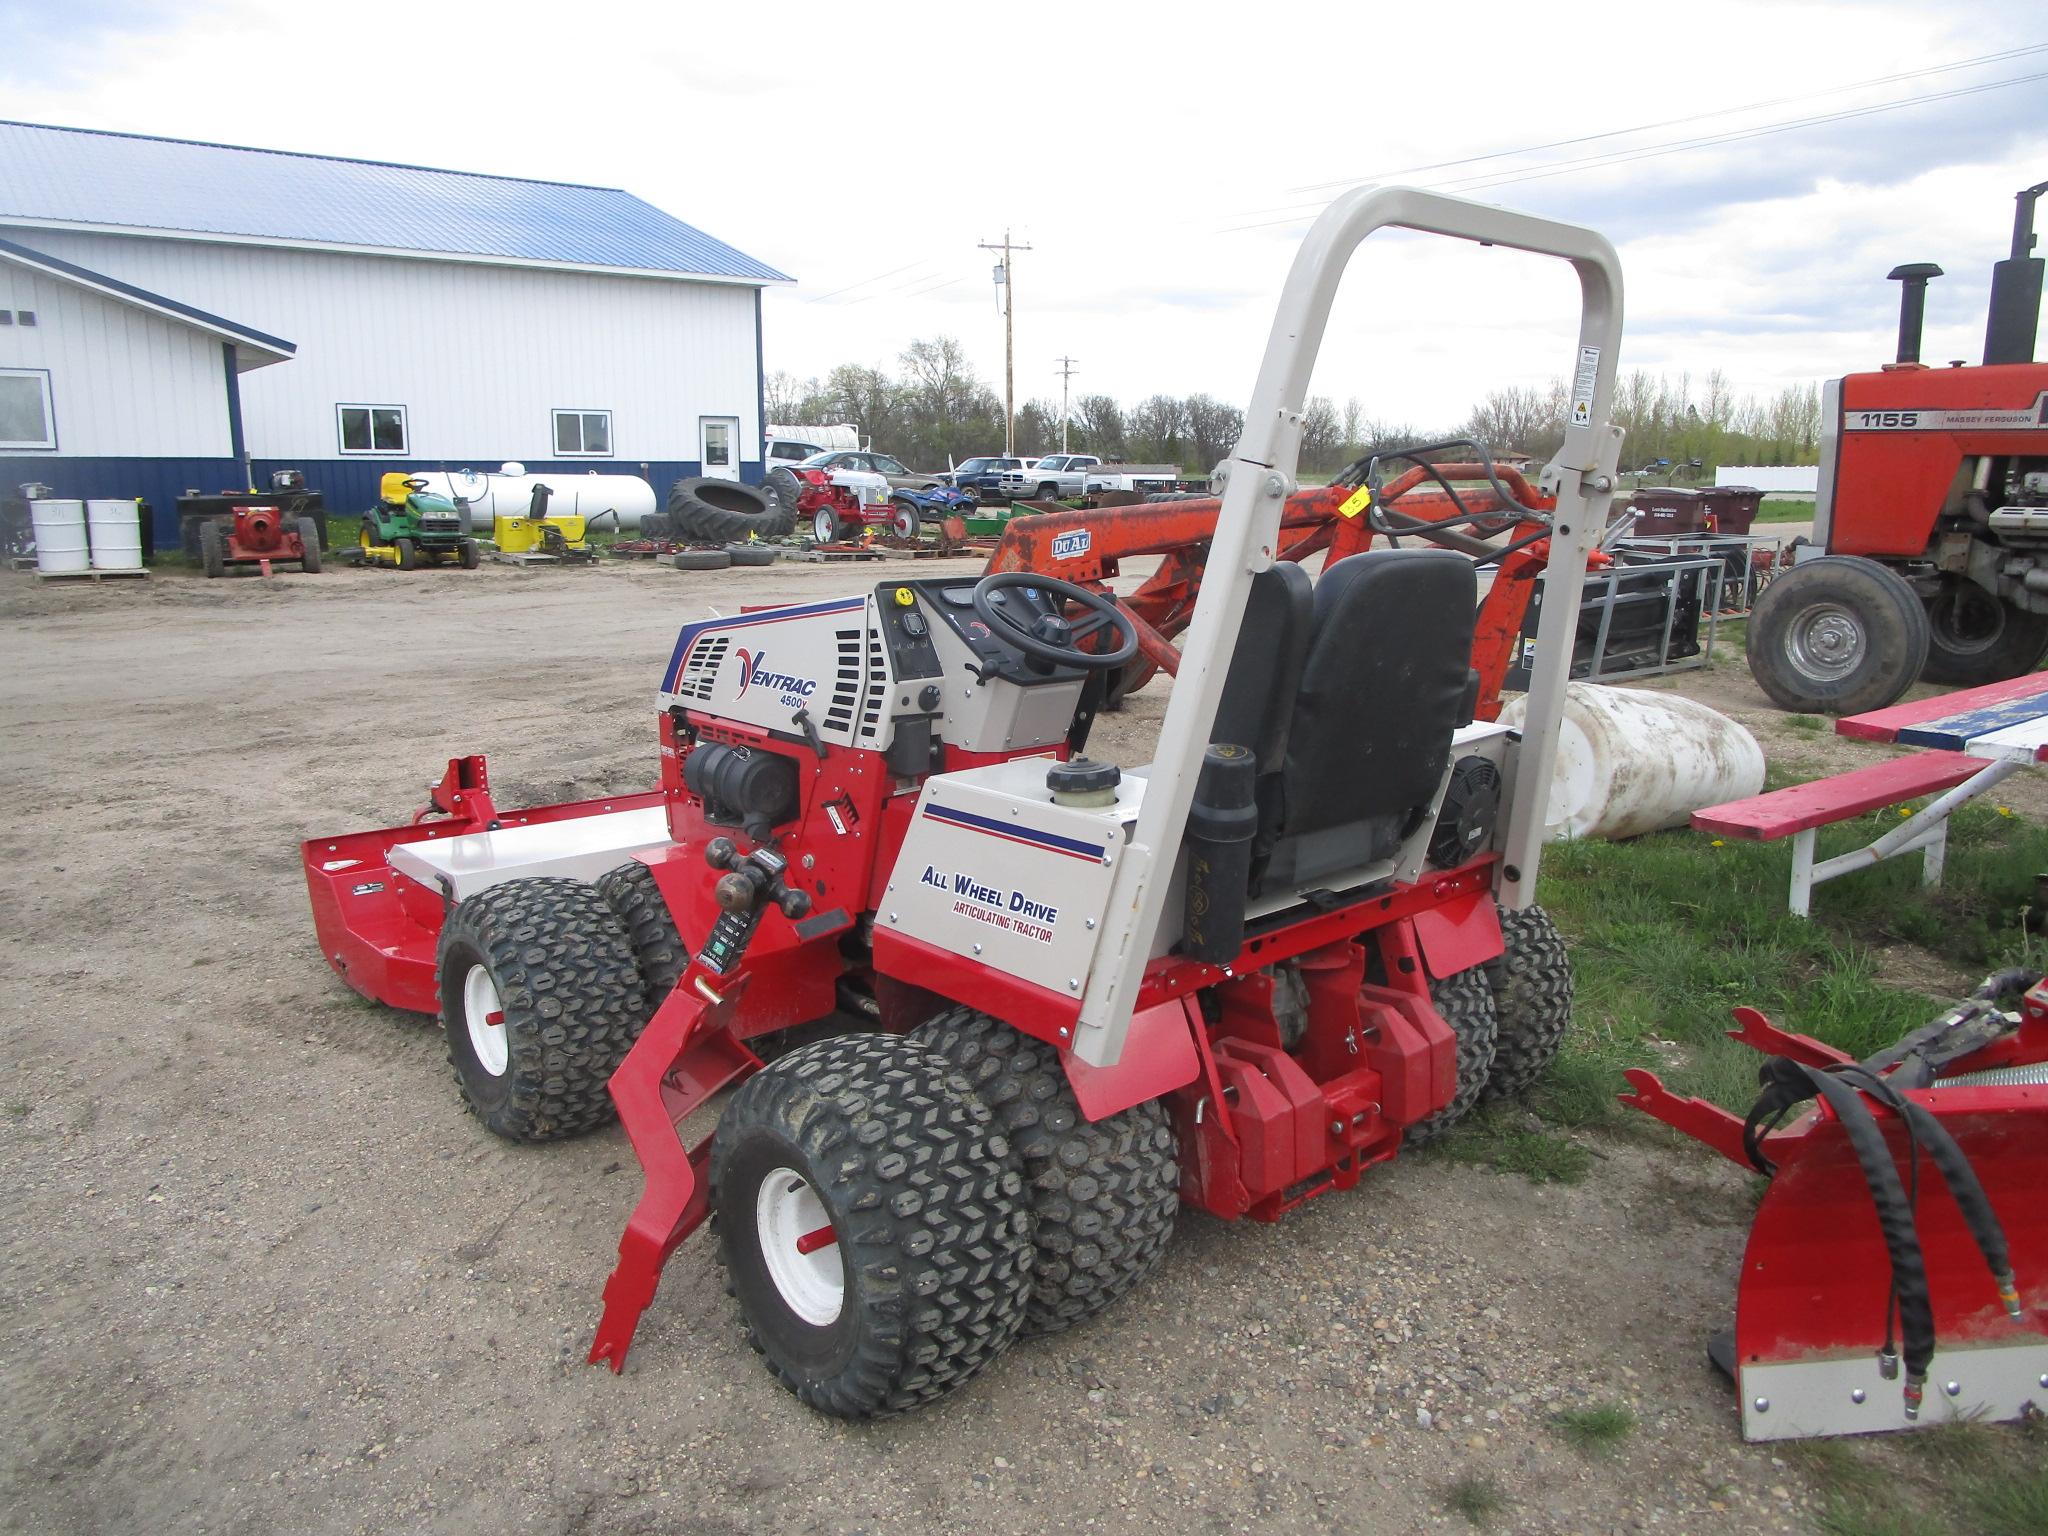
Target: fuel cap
<point x="1083" y="782"/>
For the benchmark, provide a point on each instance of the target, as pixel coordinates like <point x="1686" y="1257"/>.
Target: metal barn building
<point x="178" y="315"/>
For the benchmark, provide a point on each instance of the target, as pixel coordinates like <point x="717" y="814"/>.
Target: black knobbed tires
<point x="712" y="511"/>
<point x="466" y="551"/>
<point x="871" y="1221"/>
<point x="659" y="953"/>
<point x="1466" y="1003"/>
<point x="541" y="999"/>
<point x="1102" y="1195"/>
<point x="1532" y="999"/>
<point x="1975" y="637"/>
<point x="1837" y="635"/>
<point x="213" y="548"/>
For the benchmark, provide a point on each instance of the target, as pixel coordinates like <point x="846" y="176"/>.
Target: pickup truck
<point x="1054" y="476"/>
<point x="984" y="475"/>
<point x="1141" y="478"/>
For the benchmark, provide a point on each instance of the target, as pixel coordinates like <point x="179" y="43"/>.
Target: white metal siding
<point x="123" y="382"/>
<point x="479" y="355"/>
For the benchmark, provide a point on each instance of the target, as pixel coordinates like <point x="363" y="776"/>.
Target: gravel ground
<point x="263" y="1273"/>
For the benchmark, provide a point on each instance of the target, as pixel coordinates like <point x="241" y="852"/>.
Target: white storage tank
<point x="493" y="493"/>
<point x="60" y="536"/>
<point x="116" y="531"/>
<point x="1630" y="761"/>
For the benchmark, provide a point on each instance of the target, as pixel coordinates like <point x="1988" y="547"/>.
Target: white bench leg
<point x="1802" y="872"/>
<point x="1934" y="856"/>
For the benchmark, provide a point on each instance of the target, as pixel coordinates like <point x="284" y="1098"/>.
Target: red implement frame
<point x="1313" y="522"/>
<point x="1813" y="1298"/>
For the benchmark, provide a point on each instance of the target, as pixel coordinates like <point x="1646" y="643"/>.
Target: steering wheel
<point x="416" y="483"/>
<point x="1048" y="637"/>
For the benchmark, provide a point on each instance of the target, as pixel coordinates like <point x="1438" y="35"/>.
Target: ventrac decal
<point x="997" y="906"/>
<point x="1072" y="545"/>
<point x="1985" y="419"/>
<point x="754" y="669"/>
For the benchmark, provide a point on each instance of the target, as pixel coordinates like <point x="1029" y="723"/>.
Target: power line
<point x="1673" y="122"/>
<point x="820" y="298"/>
<point x="1593" y="162"/>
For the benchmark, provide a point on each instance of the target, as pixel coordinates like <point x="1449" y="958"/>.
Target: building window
<point x="372" y="428"/>
<point x="26" y="420"/>
<point x="583" y="432"/>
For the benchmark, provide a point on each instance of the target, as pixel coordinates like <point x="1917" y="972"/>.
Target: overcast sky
<point x="1162" y="161"/>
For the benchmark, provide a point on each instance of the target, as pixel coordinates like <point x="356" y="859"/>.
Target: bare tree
<point x="1213" y="430"/>
<point x="1100" y="423"/>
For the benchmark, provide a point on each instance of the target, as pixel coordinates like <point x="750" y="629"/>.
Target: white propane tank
<point x="116" y="530"/>
<point x="1630" y="762"/>
<point x="493" y="494"/>
<point x="60" y="536"/>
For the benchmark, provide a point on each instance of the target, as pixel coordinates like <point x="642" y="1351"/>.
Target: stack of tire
<point x="726" y="520"/>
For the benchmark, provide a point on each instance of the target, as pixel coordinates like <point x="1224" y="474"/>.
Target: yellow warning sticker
<point x="1356" y="502"/>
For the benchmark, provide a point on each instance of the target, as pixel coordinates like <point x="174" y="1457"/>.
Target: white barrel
<point x="60" y="536"/>
<point x="491" y="494"/>
<point x="1630" y="761"/>
<point x="116" y="529"/>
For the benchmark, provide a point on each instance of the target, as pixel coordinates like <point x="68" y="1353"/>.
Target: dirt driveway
<point x="263" y="1273"/>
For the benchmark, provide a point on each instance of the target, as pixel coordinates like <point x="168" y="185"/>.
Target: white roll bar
<point x="1258" y="477"/>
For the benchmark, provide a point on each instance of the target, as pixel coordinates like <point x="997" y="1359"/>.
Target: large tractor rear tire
<point x="1975" y="637"/>
<point x="872" y="1224"/>
<point x="1103" y="1194"/>
<point x="1532" y="999"/>
<point x="1838" y="635"/>
<point x="1466" y="1003"/>
<point x="650" y="928"/>
<point x="541" y="1000"/>
<point x="713" y="511"/>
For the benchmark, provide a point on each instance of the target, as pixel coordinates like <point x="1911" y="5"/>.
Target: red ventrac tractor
<point x="1931" y="524"/>
<point x="984" y="1012"/>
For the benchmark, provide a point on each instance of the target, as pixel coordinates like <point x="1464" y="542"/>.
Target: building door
<point x="719" y="446"/>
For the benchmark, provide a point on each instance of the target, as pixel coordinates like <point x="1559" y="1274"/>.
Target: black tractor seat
<point x="1348" y="692"/>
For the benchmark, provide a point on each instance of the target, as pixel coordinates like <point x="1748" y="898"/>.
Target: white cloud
<point x="842" y="143"/>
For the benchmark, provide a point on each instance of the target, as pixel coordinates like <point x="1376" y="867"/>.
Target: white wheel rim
<point x="484" y="1013"/>
<point x="821" y="527"/>
<point x="788" y="1211"/>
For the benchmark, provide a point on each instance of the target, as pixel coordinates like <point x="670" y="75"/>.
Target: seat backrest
<point x="1386" y="681"/>
<point x="1257" y="705"/>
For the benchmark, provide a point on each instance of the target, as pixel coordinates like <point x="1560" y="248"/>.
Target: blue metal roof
<point x="79" y="176"/>
<point x="113" y="287"/>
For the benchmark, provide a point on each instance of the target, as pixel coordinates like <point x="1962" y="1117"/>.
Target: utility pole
<point x="1066" y="373"/>
<point x="1007" y="278"/>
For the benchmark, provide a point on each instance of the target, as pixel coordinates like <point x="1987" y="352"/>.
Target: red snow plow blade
<point x="1885" y="1284"/>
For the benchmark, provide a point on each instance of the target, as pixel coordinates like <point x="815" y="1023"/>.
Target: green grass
<point x="1477" y="1497"/>
<point x="1597" y="1428"/>
<point x="1669" y="932"/>
<point x="1778" y="510"/>
<point x="1493" y="1137"/>
<point x="1958" y="1477"/>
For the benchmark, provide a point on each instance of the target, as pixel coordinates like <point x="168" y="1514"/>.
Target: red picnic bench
<point x="2001" y="727"/>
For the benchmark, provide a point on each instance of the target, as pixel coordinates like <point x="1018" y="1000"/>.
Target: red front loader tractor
<point x="1930" y="552"/>
<point x="983" y="1013"/>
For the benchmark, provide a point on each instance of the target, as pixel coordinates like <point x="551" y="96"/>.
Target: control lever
<point x="751" y="883"/>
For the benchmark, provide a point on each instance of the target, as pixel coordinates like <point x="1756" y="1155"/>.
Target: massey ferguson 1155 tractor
<point x="985" y="1012"/>
<point x="1931" y="526"/>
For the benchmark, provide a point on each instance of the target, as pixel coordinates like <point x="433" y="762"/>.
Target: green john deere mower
<point x="410" y="526"/>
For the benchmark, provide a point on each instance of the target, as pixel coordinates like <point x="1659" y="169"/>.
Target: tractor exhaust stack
<point x="1912" y="305"/>
<point x="2016" y="290"/>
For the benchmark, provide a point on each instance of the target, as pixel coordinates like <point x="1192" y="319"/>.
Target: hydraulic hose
<point x="1956" y="1172"/>
<point x="1894" y="1219"/>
